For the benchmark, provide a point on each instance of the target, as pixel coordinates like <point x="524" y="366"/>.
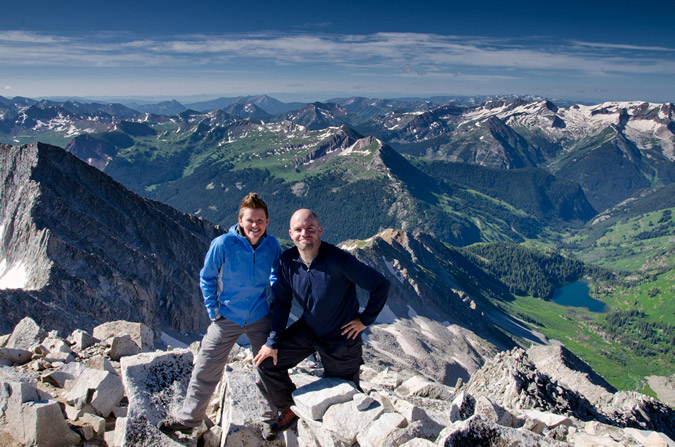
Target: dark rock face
<point x="91" y="251"/>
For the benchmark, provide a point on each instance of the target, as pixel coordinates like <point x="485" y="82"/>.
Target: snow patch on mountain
<point x="15" y="277"/>
<point x="390" y="266"/>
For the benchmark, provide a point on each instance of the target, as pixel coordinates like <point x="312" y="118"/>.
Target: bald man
<point x="323" y="279"/>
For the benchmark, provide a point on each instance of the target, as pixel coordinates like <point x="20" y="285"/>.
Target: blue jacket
<point x="235" y="278"/>
<point x="326" y="290"/>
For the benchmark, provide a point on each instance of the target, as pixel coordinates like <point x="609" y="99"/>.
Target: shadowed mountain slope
<point x="85" y="250"/>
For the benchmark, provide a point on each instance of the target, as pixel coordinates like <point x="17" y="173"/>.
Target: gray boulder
<point x="141" y="335"/>
<point x="26" y="335"/>
<point x="14" y="356"/>
<point x="100" y="389"/>
<point x="156" y="382"/>
<point x="32" y="417"/>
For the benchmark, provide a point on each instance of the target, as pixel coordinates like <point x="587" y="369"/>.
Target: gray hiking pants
<point x="210" y="363"/>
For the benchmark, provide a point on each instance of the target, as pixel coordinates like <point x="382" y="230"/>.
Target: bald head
<point x="304" y="214"/>
<point x="305" y="232"/>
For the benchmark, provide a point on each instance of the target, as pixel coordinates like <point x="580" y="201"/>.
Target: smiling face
<point x="253" y="223"/>
<point x="305" y="231"/>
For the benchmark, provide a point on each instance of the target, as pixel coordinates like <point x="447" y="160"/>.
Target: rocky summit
<point x="79" y="249"/>
<point x="111" y="387"/>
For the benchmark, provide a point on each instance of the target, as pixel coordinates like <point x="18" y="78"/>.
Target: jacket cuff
<point x="213" y="314"/>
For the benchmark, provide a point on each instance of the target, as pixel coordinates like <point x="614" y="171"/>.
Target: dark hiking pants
<point x="341" y="359"/>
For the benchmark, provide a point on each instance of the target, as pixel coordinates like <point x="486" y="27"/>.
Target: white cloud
<point x="115" y="63"/>
<point x="423" y="53"/>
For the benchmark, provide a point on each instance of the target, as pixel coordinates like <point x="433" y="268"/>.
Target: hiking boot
<point x="171" y="424"/>
<point x="267" y="433"/>
<point x="283" y="421"/>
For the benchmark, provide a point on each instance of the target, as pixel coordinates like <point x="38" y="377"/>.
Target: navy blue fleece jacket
<point x="326" y="290"/>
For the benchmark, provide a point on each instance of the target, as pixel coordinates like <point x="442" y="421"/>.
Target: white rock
<point x="422" y="387"/>
<point x="13" y="396"/>
<point x="155" y="383"/>
<point x="490" y="411"/>
<point x="638" y="435"/>
<point x="658" y="440"/>
<point x="123" y="346"/>
<point x="81" y="339"/>
<point x="69" y="371"/>
<point x="387" y="379"/>
<point x="96" y="422"/>
<point x="463" y="406"/>
<point x="56" y="378"/>
<point x="378" y="430"/>
<point x="418" y="442"/>
<point x="346" y="420"/>
<point x="414" y="413"/>
<point x="551" y="420"/>
<point x="119" y="433"/>
<point x="313" y="433"/>
<point x="101" y="389"/>
<point x="85" y="431"/>
<point x="101" y="363"/>
<point x="55" y="344"/>
<point x="57" y="357"/>
<point x="141" y="334"/>
<point x="314" y="398"/>
<point x="242" y="408"/>
<point x="43" y="424"/>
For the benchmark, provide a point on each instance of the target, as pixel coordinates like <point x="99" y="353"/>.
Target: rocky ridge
<point x="79" y="249"/>
<point x="110" y="388"/>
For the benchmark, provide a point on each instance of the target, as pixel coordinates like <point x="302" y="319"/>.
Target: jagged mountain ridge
<point x="612" y="149"/>
<point x="83" y="249"/>
<point x="295" y="165"/>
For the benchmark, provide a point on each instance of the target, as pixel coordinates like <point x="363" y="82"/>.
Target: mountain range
<point x="466" y="204"/>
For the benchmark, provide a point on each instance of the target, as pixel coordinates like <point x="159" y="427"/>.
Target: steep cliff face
<point x="437" y="320"/>
<point x="85" y="250"/>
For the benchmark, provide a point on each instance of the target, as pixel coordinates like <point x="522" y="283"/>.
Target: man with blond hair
<point x="323" y="279"/>
<point x="238" y="270"/>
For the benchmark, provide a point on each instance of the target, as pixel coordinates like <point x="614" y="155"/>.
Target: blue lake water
<point x="576" y="295"/>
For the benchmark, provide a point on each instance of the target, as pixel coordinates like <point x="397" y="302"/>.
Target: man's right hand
<point x="263" y="353"/>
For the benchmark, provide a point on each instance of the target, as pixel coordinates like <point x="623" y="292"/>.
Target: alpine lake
<point x="576" y="294"/>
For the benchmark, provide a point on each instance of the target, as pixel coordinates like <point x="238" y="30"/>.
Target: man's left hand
<point x="353" y="328"/>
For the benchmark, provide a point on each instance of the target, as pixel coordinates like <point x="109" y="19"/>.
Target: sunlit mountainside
<point x="517" y="196"/>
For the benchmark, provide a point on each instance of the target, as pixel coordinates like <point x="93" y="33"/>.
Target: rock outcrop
<point x="508" y="402"/>
<point x="78" y="249"/>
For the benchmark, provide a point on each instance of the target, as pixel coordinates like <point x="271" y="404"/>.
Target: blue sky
<point x="302" y="50"/>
